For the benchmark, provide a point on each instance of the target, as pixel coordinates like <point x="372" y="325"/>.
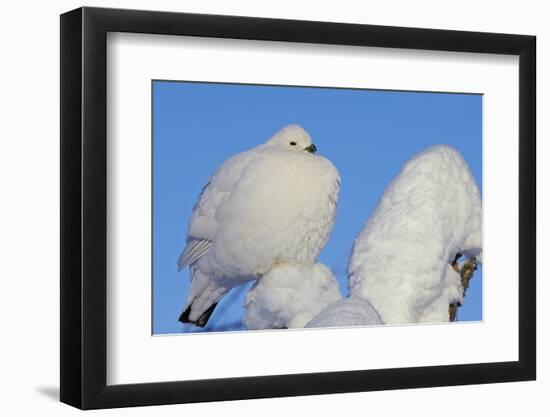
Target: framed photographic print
<point x="258" y="207"/>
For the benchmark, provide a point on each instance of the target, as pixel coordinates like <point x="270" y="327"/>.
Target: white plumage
<point x="289" y="296"/>
<point x="428" y="214"/>
<point x="271" y="205"/>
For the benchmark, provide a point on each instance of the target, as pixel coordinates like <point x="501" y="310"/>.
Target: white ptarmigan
<point x="270" y="205"/>
<point x="429" y="214"/>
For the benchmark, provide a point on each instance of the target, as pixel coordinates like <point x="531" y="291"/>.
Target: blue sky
<point x="367" y="134"/>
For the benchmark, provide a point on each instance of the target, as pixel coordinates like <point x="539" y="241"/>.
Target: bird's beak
<point x="311" y="148"/>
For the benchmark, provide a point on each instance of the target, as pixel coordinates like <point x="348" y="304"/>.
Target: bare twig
<point x="466" y="273"/>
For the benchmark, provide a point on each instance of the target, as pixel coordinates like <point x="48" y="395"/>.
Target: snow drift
<point x="290" y="296"/>
<point x="349" y="312"/>
<point x="427" y="215"/>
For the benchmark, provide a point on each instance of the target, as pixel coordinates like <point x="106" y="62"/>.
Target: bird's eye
<point x="292" y="143"/>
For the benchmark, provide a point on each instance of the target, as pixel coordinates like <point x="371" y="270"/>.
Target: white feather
<point x="194" y="250"/>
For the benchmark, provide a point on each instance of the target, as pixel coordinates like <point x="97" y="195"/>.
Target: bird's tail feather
<point x="204" y="295"/>
<point x="203" y="318"/>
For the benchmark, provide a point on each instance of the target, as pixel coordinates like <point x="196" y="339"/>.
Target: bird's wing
<point x="194" y="250"/>
<point x="203" y="223"/>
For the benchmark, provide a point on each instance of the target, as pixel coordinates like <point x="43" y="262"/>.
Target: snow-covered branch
<point x="290" y="296"/>
<point x="401" y="260"/>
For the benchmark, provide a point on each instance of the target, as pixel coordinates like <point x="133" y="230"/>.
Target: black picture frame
<point x="84" y="207"/>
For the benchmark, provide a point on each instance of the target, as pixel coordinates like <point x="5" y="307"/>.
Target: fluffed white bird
<point x="270" y="205"/>
<point x="289" y="296"/>
<point x="429" y="214"/>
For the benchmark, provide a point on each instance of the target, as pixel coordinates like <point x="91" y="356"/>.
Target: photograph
<point x="278" y="207"/>
<point x="259" y="205"/>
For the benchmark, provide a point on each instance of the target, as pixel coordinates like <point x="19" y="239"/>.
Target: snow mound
<point x="352" y="311"/>
<point x="289" y="296"/>
<point x="438" y="310"/>
<point x="429" y="213"/>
